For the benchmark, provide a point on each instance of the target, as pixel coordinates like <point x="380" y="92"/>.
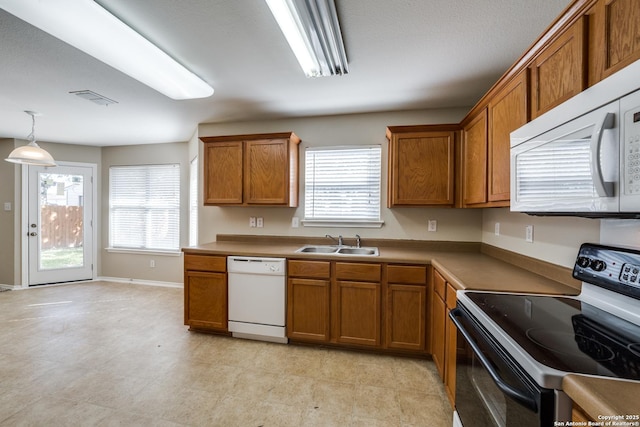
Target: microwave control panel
<point x="630" y="161"/>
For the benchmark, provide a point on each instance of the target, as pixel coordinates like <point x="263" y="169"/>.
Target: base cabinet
<point x="444" y="333"/>
<point x="308" y="303"/>
<point x="357" y="310"/>
<point x="205" y="293"/>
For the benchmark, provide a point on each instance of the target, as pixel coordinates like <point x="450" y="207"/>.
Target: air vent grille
<point x="93" y="97"/>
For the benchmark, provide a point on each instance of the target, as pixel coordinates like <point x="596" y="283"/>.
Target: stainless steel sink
<point x="338" y="250"/>
<point x="358" y="251"/>
<point x="318" y="249"/>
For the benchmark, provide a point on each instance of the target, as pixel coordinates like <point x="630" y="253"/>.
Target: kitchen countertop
<point x="603" y="397"/>
<point x="465" y="267"/>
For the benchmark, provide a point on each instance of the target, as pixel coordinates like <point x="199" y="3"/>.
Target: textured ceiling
<point x="403" y="55"/>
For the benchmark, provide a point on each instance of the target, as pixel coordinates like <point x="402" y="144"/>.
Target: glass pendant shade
<point x="31" y="154"/>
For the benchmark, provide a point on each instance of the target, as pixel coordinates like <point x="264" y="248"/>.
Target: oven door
<point x="492" y="390"/>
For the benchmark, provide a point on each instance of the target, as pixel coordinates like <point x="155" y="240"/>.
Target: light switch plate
<point x="252" y="221"/>
<point x="432" y="225"/>
<point x="259" y="222"/>
<point x="7" y="206"/>
<point x="295" y="222"/>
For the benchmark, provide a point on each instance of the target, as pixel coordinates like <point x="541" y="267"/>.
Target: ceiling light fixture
<point x="312" y="29"/>
<point x="85" y="25"/>
<point x="31" y="154"/>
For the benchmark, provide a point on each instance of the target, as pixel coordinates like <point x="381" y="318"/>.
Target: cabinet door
<point x="308" y="304"/>
<point x="438" y="313"/>
<point x="357" y="308"/>
<point x="406" y="312"/>
<point x="474" y="161"/>
<point x="267" y="172"/>
<point x="223" y="173"/>
<point x="451" y="333"/>
<point x="559" y="71"/>
<point x="421" y="169"/>
<point x="507" y="112"/>
<point x="614" y="37"/>
<point x="206" y="300"/>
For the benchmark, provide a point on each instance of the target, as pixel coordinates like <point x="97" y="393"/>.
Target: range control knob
<point x="583" y="262"/>
<point x="598" y="265"/>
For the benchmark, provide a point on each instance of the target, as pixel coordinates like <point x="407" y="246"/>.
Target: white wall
<point x="356" y="129"/>
<point x="555" y="239"/>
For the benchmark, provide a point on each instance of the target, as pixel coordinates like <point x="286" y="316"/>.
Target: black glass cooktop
<point x="566" y="334"/>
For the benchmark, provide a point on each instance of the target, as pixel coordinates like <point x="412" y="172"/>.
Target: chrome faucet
<point x="339" y="240"/>
<point x="357" y="241"/>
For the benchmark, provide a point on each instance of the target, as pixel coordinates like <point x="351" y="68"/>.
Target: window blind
<point x="343" y="183"/>
<point x="193" y="202"/>
<point x="144" y="207"/>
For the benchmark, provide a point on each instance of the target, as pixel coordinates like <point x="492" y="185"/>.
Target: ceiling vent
<point x="93" y="97"/>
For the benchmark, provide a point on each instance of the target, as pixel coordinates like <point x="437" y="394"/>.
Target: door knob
<point x="33" y="233"/>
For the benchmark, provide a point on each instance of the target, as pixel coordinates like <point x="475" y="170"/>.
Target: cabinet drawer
<point x="451" y="296"/>
<point x="407" y="274"/>
<point x="356" y="271"/>
<point x="439" y="284"/>
<point x="205" y="263"/>
<point x="315" y="269"/>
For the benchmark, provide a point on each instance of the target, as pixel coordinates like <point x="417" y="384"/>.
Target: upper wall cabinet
<point x="421" y="165"/>
<point x="474" y="160"/>
<point x="614" y="37"/>
<point x="259" y="169"/>
<point x="558" y="72"/>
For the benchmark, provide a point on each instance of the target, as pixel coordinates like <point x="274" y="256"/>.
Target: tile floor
<point x="112" y="354"/>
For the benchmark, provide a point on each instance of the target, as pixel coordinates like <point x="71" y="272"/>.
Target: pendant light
<point x="31" y="154"/>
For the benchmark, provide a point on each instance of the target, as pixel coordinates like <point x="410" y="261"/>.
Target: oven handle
<point x="517" y="395"/>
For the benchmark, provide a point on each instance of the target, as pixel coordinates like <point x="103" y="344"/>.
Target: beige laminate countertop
<point x="602" y="397"/>
<point x="466" y="270"/>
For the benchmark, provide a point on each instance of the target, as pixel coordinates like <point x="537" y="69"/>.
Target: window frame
<point x="337" y="221"/>
<point x="175" y="251"/>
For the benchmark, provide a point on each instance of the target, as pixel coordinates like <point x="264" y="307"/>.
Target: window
<point x="193" y="202"/>
<point x="342" y="186"/>
<point x="144" y="207"/>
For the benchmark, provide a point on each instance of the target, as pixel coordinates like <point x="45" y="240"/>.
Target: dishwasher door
<point x="257" y="295"/>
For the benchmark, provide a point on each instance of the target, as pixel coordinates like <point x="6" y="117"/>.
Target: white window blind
<point x="342" y="184"/>
<point x="193" y="202"/>
<point x="144" y="207"/>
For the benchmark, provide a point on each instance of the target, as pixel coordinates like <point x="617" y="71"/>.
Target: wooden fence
<point x="61" y="226"/>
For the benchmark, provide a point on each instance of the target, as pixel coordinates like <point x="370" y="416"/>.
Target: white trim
<point x="143" y="251"/>
<point x="140" y="282"/>
<point x="342" y="223"/>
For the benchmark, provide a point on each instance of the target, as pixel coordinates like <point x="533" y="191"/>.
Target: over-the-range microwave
<point x="582" y="158"/>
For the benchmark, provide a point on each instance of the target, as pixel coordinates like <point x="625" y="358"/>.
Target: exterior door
<point x="59" y="228"/>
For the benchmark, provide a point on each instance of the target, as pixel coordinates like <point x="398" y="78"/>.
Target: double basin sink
<point x="338" y="250"/>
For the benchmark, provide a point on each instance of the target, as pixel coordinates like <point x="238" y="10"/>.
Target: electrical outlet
<point x="7" y="206"/>
<point x="432" y="225"/>
<point x="295" y="222"/>
<point x="497" y="229"/>
<point x="152" y="263"/>
<point x="529" y="234"/>
<point x="260" y="222"/>
<point x="252" y="221"/>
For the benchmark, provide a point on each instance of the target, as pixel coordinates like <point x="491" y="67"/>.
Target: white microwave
<point x="583" y="157"/>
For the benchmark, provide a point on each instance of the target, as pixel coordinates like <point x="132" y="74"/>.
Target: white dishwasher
<point x="257" y="295"/>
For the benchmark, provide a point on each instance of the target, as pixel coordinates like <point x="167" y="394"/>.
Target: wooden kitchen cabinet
<point x="406" y="307"/>
<point x="205" y="293"/>
<point x="308" y="300"/>
<point x="444" y="333"/>
<point x="357" y="304"/>
<point x="559" y="71"/>
<point x="421" y="165"/>
<point x="614" y="37"/>
<point x="508" y="110"/>
<point x="474" y="160"/>
<point x="260" y="169"/>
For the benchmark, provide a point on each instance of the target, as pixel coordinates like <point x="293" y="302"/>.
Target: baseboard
<point x="140" y="282"/>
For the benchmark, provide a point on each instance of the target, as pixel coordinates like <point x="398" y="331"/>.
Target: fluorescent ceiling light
<point x="312" y="29"/>
<point x="84" y="24"/>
